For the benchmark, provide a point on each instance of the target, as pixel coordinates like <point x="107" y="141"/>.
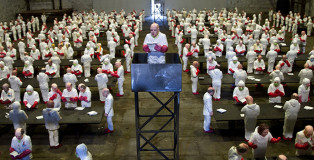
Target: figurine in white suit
<point x="85" y="96"/>
<point x="52" y="119"/>
<point x="259" y="140"/>
<point x="275" y="91"/>
<point x="304" y="73"/>
<point x="237" y="152"/>
<point x="259" y="65"/>
<point x="304" y="141"/>
<point x="18" y="116"/>
<point x="120" y="75"/>
<point x="7" y="96"/>
<point x="43" y="80"/>
<point x="31" y="98"/>
<point x="216" y="76"/>
<point x="86" y="61"/>
<point x="240" y="92"/>
<point x="291" y="108"/>
<point x="251" y="111"/>
<point x="304" y="90"/>
<point x="69" y="96"/>
<point x="109" y="113"/>
<point x="21" y="145"/>
<point x="55" y="95"/>
<point x="271" y="55"/>
<point x="208" y="110"/>
<point x="16" y="84"/>
<point x="239" y="75"/>
<point x="102" y="80"/>
<point x="194" y="76"/>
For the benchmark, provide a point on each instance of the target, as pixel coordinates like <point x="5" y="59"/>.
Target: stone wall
<point x="9" y="8"/>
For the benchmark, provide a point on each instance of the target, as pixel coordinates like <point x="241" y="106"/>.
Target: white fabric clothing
<point x="216" y="76"/>
<point x="239" y="75"/>
<point x="261" y="143"/>
<point x="31" y="99"/>
<point x="86" y="60"/>
<point x="194" y="78"/>
<point x="52" y="69"/>
<point x="102" y="80"/>
<point x="57" y="100"/>
<point x="120" y="73"/>
<point x="272" y="89"/>
<point x="160" y="39"/>
<point x="70" y="77"/>
<point x="19" y="118"/>
<point x="233" y="154"/>
<point x="241" y="94"/>
<point x="305" y="73"/>
<point x="67" y="94"/>
<point x="259" y="64"/>
<point x="292" y="108"/>
<point x="43" y="80"/>
<point x="87" y="94"/>
<point x="16" y="84"/>
<point x="304" y="92"/>
<point x="22" y="145"/>
<point x="301" y="139"/>
<point x="276" y="73"/>
<point x="250" y="56"/>
<point x="207" y="98"/>
<point x="233" y="66"/>
<point x="251" y="111"/>
<point x="271" y="55"/>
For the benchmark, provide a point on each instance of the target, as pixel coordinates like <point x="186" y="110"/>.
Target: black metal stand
<point x="173" y="117"/>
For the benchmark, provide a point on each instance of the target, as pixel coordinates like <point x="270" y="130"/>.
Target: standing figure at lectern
<point x="156" y="45"/>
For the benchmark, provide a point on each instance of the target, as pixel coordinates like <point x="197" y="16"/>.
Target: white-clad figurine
<point x="69" y="96"/>
<point x="69" y="52"/>
<point x="304" y="90"/>
<point x="52" y="118"/>
<point x="304" y="141"/>
<point x="239" y="75"/>
<point x="185" y="56"/>
<point x="7" y="96"/>
<point x="291" y="108"/>
<point x="70" y="77"/>
<point x="194" y="34"/>
<point x="303" y="41"/>
<point x="275" y="91"/>
<point x="31" y="98"/>
<point x="21" y="145"/>
<point x="76" y="68"/>
<point x="218" y="48"/>
<point x="284" y="64"/>
<point x="22" y="47"/>
<point x="240" y="49"/>
<point x="277" y="73"/>
<point x="4" y="71"/>
<point x="230" y="54"/>
<point x="78" y="41"/>
<point x="86" y="61"/>
<point x="107" y="67"/>
<point x="271" y="55"/>
<point x="250" y="56"/>
<point x="236" y="153"/>
<point x="179" y="43"/>
<point x="233" y="65"/>
<point x="211" y="65"/>
<point x="310" y="62"/>
<point x="216" y="76"/>
<point x="57" y="61"/>
<point x="291" y="55"/>
<point x="194" y="76"/>
<point x="85" y="96"/>
<point x="127" y="54"/>
<point x="155" y="36"/>
<point x="109" y="113"/>
<point x="55" y="95"/>
<point x="259" y="65"/>
<point x="8" y="61"/>
<point x="102" y="80"/>
<point x="305" y="73"/>
<point x="120" y="75"/>
<point x="240" y="92"/>
<point x="112" y="47"/>
<point x="206" y="43"/>
<point x="16" y="84"/>
<point x="12" y="52"/>
<point x="251" y="111"/>
<point x="82" y="153"/>
<point x="208" y="110"/>
<point x="28" y="70"/>
<point x="89" y="50"/>
<point x="195" y="49"/>
<point x="51" y="69"/>
<point x="259" y="141"/>
<point x="43" y="80"/>
<point x="18" y="116"/>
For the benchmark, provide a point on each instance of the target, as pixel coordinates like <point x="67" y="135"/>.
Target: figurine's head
<point x="81" y="150"/>
<point x="154" y="29"/>
<point x="19" y="133"/>
<point x="263" y="129"/>
<point x="54" y="87"/>
<point x="105" y="92"/>
<point x="306" y="82"/>
<point x="195" y="64"/>
<point x="16" y="106"/>
<point x="68" y="86"/>
<point x="241" y="85"/>
<point x="276" y="82"/>
<point x="308" y="131"/>
<point x="29" y="90"/>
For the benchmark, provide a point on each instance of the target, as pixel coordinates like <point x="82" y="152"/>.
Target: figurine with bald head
<point x="208" y="109"/>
